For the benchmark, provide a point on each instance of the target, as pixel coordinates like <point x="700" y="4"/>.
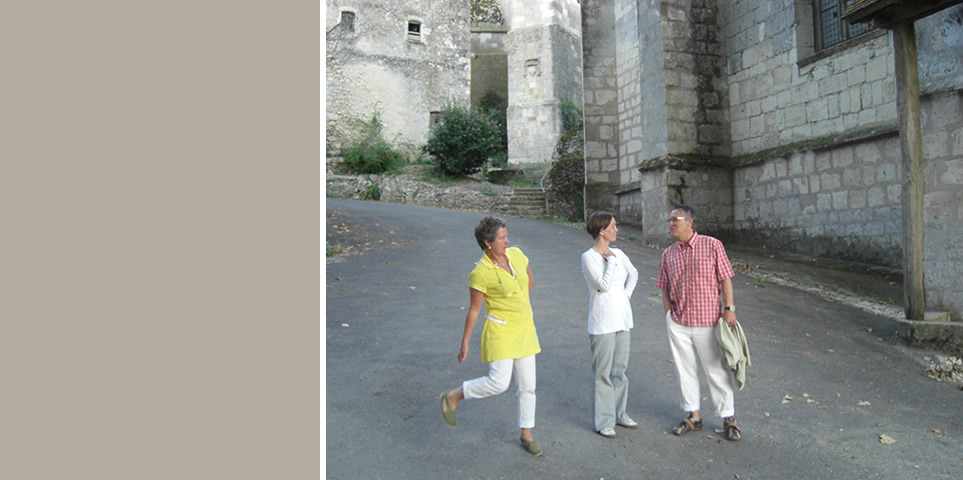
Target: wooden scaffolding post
<point x="914" y="184"/>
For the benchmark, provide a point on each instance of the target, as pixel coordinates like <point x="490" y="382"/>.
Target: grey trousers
<point x="610" y="357"/>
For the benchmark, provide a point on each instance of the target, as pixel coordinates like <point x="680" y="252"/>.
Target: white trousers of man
<point x="688" y="344"/>
<point x="498" y="379"/>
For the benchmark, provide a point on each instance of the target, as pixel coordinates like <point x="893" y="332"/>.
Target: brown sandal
<point x="732" y="431"/>
<point x="687" y="426"/>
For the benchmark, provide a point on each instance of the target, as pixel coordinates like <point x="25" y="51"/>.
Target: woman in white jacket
<point x="610" y="278"/>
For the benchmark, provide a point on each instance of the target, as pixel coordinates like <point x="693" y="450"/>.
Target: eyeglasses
<point x="677" y="219"/>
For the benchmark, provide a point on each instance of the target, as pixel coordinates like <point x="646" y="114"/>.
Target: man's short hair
<point x="687" y="210"/>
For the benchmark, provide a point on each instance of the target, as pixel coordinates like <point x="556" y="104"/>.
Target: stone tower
<point x="544" y="68"/>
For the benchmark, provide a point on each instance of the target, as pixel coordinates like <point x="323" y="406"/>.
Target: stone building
<point x="402" y="59"/>
<point x="406" y="58"/>
<point x="777" y="121"/>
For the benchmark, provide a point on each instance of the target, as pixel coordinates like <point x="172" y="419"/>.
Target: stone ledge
<point x="939" y="335"/>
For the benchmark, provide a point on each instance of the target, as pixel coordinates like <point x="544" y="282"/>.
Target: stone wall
<point x="817" y="137"/>
<point x="942" y="122"/>
<point x="695" y="78"/>
<point x="379" y="66"/>
<point x="729" y="107"/>
<point x="543" y="69"/>
<point x="601" y="119"/>
<point x="839" y="202"/>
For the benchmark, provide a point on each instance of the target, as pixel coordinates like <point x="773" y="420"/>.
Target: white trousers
<point x="687" y="343"/>
<point x="498" y="379"/>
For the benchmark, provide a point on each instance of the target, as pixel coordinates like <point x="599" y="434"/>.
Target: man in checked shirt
<point x="692" y="273"/>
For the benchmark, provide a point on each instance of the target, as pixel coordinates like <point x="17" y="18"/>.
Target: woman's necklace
<point x="500" y="263"/>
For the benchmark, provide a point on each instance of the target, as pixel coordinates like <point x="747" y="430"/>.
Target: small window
<point x="347" y="20"/>
<point x="414" y="30"/>
<point x="830" y="27"/>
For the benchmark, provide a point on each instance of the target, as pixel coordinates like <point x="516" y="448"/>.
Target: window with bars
<point x="830" y="27"/>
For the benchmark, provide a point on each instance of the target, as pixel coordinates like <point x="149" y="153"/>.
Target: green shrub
<point x="571" y="115"/>
<point x="368" y="152"/>
<point x="496" y="107"/>
<point x="373" y="193"/>
<point x="463" y="140"/>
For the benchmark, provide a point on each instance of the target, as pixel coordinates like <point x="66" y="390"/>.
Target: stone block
<point x="857" y="198"/>
<point x="886" y="173"/>
<point x="830" y="181"/>
<point x="817" y="110"/>
<point x="824" y="202"/>
<point x="867" y="116"/>
<point x="781" y="167"/>
<point x="893" y="193"/>
<point x="840" y="200"/>
<point x="869" y="175"/>
<point x="801" y="185"/>
<point x="795" y="116"/>
<point x="853" y="177"/>
<point x="785" y="188"/>
<point x="877" y="89"/>
<point x="957" y="141"/>
<point x="938" y="206"/>
<point x="876" y="68"/>
<point x="953" y="173"/>
<point x="832" y="84"/>
<point x="856" y="75"/>
<point x="823" y="161"/>
<point x="936" y="144"/>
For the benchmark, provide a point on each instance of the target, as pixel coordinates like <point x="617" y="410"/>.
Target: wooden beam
<point x="911" y="146"/>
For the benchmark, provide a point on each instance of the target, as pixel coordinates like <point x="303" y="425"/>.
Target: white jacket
<point x="610" y="284"/>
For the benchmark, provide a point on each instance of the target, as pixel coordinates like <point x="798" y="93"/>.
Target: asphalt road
<point x="824" y="391"/>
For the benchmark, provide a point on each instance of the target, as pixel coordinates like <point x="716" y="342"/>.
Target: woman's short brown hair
<point x="597" y="222"/>
<point x="487" y="230"/>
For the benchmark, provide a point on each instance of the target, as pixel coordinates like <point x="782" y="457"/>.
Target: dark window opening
<point x="830" y="27"/>
<point x="347" y="21"/>
<point x="414" y="30"/>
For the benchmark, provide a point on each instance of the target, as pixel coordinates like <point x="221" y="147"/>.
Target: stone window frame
<point x="353" y="13"/>
<point x="418" y="37"/>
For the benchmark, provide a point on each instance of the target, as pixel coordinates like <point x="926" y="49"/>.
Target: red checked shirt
<point x="692" y="272"/>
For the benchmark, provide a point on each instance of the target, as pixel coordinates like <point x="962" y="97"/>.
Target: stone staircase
<point x="526" y="202"/>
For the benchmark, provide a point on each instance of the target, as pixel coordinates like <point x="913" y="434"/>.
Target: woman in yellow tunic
<point x="503" y="280"/>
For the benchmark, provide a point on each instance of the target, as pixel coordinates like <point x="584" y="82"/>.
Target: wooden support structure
<point x="914" y="186"/>
<point x="899" y="15"/>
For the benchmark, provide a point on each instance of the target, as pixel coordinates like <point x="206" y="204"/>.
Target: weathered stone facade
<point x="526" y="51"/>
<point x="401" y="58"/>
<point x="727" y="105"/>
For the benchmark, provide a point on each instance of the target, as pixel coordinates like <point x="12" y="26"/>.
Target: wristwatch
<point x="731" y="308"/>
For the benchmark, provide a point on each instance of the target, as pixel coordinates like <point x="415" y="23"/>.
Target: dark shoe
<point x="732" y="431"/>
<point x="531" y="446"/>
<point x="447" y="413"/>
<point x="686" y="426"/>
